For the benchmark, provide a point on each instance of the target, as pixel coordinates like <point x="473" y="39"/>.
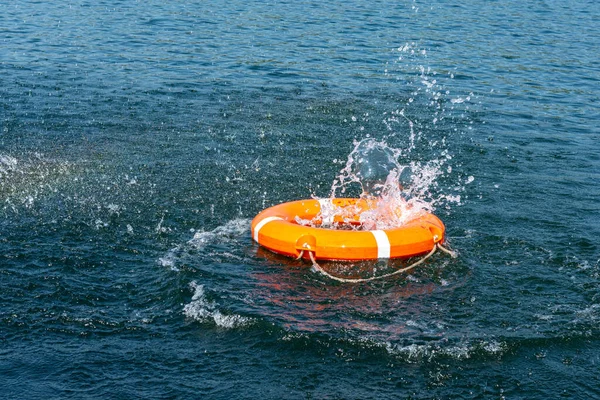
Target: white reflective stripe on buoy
<point x="383" y="244"/>
<point x="326" y="204"/>
<point x="263" y="223"/>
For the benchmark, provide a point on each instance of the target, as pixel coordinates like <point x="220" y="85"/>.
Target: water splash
<point x="24" y="180"/>
<point x="369" y="165"/>
<point x="399" y="175"/>
<point x="395" y="192"/>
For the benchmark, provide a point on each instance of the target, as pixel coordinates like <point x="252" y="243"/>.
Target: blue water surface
<point x="138" y="140"/>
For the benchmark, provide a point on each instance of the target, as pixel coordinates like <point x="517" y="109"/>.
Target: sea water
<point x="139" y="139"/>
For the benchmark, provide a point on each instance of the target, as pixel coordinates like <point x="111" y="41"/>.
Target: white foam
<point x="203" y="310"/>
<point x="232" y="229"/>
<point x="7" y="164"/>
<point x="229" y="232"/>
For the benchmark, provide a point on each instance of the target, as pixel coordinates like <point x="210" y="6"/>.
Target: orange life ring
<point x="276" y="229"/>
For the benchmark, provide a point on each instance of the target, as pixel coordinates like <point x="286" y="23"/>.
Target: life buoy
<point x="277" y="229"/>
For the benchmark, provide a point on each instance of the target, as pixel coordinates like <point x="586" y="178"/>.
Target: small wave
<point x="415" y="352"/>
<point x="204" y="310"/>
<point x="227" y="233"/>
<point x="231" y="230"/>
<point x="591" y="312"/>
<point x="432" y="351"/>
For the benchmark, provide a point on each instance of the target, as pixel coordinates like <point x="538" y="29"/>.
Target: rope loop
<point x="319" y="269"/>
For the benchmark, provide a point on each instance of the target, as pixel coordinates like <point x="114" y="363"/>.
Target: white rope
<point x="318" y="268"/>
<point x="452" y="253"/>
